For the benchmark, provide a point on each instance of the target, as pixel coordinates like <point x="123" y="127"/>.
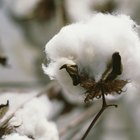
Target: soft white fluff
<point x="16" y="136"/>
<point x="15" y="100"/>
<point x="32" y="120"/>
<point x="90" y="45"/>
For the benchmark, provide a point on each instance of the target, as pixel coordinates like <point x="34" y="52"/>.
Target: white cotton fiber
<point x="90" y="45"/>
<point x="33" y="121"/>
<point x="15" y="136"/>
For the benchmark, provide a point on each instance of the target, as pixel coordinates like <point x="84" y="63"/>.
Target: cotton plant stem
<point x="92" y="123"/>
<point x="77" y="135"/>
<point x="80" y="119"/>
<point x="104" y="106"/>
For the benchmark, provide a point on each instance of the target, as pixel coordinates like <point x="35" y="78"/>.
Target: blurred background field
<point x="27" y="25"/>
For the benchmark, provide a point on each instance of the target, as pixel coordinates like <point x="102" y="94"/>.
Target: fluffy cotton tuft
<point x="32" y="120"/>
<point x="90" y="45"/>
<point x="16" y="136"/>
<point x="15" y="101"/>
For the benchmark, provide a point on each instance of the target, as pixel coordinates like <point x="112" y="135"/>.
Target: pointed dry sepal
<point x="73" y="72"/>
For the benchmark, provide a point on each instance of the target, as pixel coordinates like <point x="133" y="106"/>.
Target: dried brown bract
<point x="107" y="84"/>
<point x="94" y="89"/>
<point x="73" y="72"/>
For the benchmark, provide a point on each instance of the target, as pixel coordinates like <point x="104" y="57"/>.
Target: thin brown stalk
<point x="104" y="106"/>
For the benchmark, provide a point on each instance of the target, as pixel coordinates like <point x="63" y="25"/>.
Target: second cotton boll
<point x="90" y="45"/>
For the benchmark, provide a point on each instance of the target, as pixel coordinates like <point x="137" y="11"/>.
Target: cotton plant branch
<point x="79" y="133"/>
<point x="108" y="84"/>
<point x="104" y="106"/>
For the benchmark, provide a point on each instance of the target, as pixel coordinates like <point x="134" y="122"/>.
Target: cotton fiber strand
<point x="90" y="45"/>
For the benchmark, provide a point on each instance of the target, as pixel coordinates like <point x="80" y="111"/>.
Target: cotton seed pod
<point x="90" y="45"/>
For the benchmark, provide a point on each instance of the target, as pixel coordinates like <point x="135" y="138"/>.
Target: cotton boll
<point x="111" y="34"/>
<point x="90" y="45"/>
<point x="70" y="40"/>
<point x="30" y="113"/>
<point x="33" y="117"/>
<point x="16" y="136"/>
<point x="62" y="77"/>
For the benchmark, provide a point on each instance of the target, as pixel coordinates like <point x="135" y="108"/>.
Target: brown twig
<point x="104" y="106"/>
